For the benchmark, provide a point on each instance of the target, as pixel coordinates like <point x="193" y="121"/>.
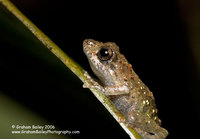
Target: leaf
<point x="71" y="64"/>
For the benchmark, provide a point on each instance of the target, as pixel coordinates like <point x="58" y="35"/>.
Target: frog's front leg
<point x="107" y="90"/>
<point x="116" y="90"/>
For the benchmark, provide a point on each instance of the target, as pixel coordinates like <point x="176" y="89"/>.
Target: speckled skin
<point x="124" y="88"/>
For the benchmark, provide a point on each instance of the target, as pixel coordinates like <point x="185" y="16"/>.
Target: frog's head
<point x="98" y="50"/>
<point x="101" y="57"/>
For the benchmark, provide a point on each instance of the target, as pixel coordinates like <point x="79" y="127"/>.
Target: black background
<point x="150" y="34"/>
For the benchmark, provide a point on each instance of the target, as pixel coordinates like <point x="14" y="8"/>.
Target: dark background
<point x="152" y="36"/>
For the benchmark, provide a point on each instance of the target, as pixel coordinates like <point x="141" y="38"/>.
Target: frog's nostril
<point x="88" y="42"/>
<point x="85" y="42"/>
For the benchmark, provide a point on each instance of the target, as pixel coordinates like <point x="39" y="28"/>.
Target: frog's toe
<point x="85" y="85"/>
<point x="87" y="75"/>
<point x="161" y="134"/>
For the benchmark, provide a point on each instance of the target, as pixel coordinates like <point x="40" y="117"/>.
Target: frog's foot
<point x="92" y="83"/>
<point x="97" y="87"/>
<point x="122" y="120"/>
<point x="160" y="134"/>
<point x="91" y="80"/>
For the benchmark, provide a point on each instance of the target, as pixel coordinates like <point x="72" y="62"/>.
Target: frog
<point x="118" y="81"/>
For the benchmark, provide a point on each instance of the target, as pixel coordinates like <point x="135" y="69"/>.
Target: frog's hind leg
<point x="160" y="134"/>
<point x="145" y="126"/>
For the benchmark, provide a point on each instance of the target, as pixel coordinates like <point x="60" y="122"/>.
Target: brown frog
<point x="121" y="84"/>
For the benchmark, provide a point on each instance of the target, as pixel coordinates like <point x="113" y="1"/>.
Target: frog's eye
<point x="105" y="54"/>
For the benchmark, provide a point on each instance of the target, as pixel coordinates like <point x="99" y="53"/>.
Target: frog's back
<point x="138" y="106"/>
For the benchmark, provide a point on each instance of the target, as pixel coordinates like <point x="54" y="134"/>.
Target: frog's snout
<point x="88" y="43"/>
